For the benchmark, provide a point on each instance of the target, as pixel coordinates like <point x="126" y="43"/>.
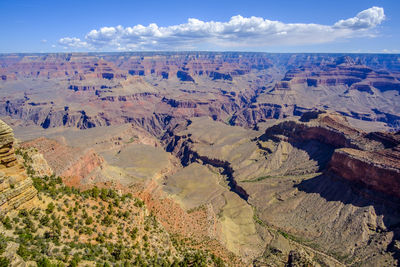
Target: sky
<point x="354" y="26"/>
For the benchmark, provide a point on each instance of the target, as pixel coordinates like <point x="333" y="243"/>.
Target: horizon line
<point x="195" y="51"/>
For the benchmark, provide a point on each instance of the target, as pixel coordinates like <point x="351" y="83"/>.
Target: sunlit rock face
<point x="16" y="187"/>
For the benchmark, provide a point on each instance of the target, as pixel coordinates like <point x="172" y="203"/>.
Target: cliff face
<point x="354" y="77"/>
<point x="379" y="172"/>
<point x="372" y="159"/>
<point x="15" y="186"/>
<point x="73" y="164"/>
<point x="377" y="168"/>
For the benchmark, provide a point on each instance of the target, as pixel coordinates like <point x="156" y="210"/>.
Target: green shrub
<point x="7" y="223"/>
<point x="4" y="262"/>
<point x="50" y="208"/>
<point x="89" y="220"/>
<point x="23" y="252"/>
<point x="3" y="243"/>
<point x="75" y="260"/>
<point x="45" y="262"/>
<point x="45" y="220"/>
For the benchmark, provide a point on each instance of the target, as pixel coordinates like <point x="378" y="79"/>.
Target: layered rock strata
<point x="372" y="159"/>
<point x="377" y="169"/>
<point x="73" y="164"/>
<point x="16" y="188"/>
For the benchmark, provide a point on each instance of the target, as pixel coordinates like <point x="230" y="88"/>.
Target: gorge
<point x="246" y="159"/>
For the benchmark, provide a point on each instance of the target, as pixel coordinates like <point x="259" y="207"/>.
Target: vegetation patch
<point x="257" y="179"/>
<point x="98" y="226"/>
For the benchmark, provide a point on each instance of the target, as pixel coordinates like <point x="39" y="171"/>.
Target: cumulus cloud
<point x="72" y="42"/>
<point x="239" y="32"/>
<point x="366" y="19"/>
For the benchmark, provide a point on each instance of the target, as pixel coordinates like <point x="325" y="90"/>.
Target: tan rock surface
<point x="16" y="187"/>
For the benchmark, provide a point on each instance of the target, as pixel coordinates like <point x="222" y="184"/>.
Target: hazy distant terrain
<point x="153" y="90"/>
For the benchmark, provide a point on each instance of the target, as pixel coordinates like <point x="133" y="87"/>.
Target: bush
<point x="23" y="213"/>
<point x="4" y="262"/>
<point x="139" y="203"/>
<point x="89" y="220"/>
<point x="3" y="243"/>
<point x="107" y="221"/>
<point x="75" y="260"/>
<point x="23" y="252"/>
<point x="45" y="262"/>
<point x="45" y="220"/>
<point x="50" y="208"/>
<point x="7" y="223"/>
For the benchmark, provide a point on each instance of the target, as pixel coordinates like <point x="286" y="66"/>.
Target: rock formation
<point x="372" y="160"/>
<point x="297" y="179"/>
<point x="154" y="90"/>
<point x="15" y="186"/>
<point x="377" y="169"/>
<point x="73" y="164"/>
<point x="286" y="154"/>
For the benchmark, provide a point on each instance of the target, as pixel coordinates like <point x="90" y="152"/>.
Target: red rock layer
<point x="73" y="164"/>
<point x="377" y="170"/>
<point x="109" y="66"/>
<point x="372" y="159"/>
<point x="355" y="77"/>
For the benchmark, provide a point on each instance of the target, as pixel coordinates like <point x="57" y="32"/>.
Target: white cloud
<point x="72" y="42"/>
<point x="366" y="19"/>
<point x="238" y="32"/>
<point x="390" y="51"/>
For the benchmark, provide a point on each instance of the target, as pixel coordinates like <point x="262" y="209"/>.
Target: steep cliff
<point x="369" y="159"/>
<point x="15" y="186"/>
<point x="377" y="169"/>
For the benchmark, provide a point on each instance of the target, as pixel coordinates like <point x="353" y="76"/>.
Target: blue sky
<point x="270" y="26"/>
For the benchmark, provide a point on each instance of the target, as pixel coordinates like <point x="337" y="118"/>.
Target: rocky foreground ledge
<point x="16" y="188"/>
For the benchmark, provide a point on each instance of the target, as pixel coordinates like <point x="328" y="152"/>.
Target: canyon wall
<point x="369" y="159"/>
<point x="377" y="169"/>
<point x="155" y="90"/>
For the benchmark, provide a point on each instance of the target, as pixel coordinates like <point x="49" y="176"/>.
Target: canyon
<point x="269" y="159"/>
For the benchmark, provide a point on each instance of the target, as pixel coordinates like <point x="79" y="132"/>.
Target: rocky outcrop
<point x="72" y="164"/>
<point x="362" y="88"/>
<point x="82" y="167"/>
<point x="83" y="87"/>
<point x="213" y="64"/>
<point x="110" y="67"/>
<point x="39" y="165"/>
<point x="372" y="160"/>
<point x="16" y="188"/>
<point x="326" y="128"/>
<point x="380" y="172"/>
